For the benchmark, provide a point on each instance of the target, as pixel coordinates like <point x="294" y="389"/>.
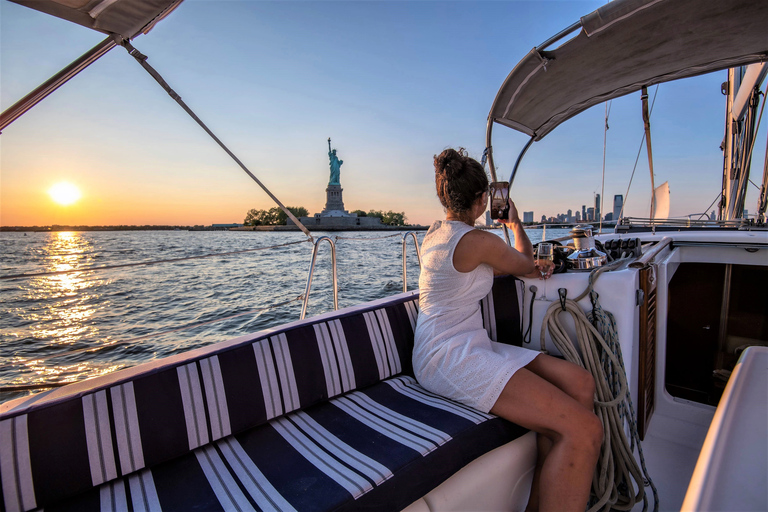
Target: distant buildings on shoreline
<point x="586" y="214"/>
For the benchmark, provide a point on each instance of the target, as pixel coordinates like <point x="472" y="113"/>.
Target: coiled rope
<point x="618" y="483"/>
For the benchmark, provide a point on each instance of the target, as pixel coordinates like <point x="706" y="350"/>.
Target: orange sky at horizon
<point x="118" y="201"/>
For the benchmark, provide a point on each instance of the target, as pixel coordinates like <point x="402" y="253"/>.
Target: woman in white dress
<point x="454" y="357"/>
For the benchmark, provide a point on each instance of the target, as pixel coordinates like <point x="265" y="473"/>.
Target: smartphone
<point x="499" y="199"/>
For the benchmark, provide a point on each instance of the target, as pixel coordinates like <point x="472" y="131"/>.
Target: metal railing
<point x="418" y="255"/>
<point x="312" y="271"/>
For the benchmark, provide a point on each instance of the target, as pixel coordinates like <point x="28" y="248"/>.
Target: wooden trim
<point x="647" y="356"/>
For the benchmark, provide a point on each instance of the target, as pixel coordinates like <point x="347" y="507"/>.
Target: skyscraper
<point x="597" y="208"/>
<point x="618" y="204"/>
<point x="528" y="217"/>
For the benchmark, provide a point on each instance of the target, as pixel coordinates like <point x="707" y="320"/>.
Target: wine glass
<point x="543" y="255"/>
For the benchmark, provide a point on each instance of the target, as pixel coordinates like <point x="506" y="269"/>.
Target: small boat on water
<point x="322" y="413"/>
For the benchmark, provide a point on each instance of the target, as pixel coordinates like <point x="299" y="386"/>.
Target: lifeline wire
<point x="138" y="264"/>
<point x="366" y="238"/>
<point x="27" y="387"/>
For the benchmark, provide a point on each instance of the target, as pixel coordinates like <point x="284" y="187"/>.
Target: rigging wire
<point x="754" y="138"/>
<point x="711" y="205"/>
<point x="608" y="105"/>
<point x="637" y="159"/>
<point x="142" y="60"/>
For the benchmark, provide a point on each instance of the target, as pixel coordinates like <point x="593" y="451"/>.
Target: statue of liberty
<point x="335" y="164"/>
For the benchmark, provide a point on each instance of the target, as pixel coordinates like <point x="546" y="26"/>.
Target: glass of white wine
<point x="544" y="254"/>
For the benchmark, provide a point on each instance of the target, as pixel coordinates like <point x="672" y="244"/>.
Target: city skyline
<point x="585" y="214"/>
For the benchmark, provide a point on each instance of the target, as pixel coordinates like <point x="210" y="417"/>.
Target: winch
<point x="585" y="256"/>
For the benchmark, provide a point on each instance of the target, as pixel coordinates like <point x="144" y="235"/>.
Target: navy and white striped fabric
<point x="502" y="310"/>
<point x="379" y="449"/>
<point x="55" y="450"/>
<point x="309" y="417"/>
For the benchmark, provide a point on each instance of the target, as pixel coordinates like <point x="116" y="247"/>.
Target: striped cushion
<point x="378" y="449"/>
<point x="59" y="449"/>
<point x="502" y="310"/>
<point x="98" y="440"/>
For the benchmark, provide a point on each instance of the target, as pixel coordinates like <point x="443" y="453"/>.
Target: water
<point x="71" y="326"/>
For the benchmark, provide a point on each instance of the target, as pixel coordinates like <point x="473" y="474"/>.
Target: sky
<point x="392" y="83"/>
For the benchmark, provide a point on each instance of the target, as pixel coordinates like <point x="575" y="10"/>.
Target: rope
<point x="618" y="482"/>
<point x="172" y="260"/>
<point x="27" y="387"/>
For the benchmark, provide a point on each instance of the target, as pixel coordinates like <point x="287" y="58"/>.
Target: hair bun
<point x="450" y="162"/>
<point x="459" y="180"/>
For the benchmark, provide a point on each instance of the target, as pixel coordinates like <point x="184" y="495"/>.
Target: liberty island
<point x="334" y="217"/>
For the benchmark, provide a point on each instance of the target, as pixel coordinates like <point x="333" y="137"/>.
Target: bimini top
<point x="126" y="18"/>
<point x="623" y="46"/>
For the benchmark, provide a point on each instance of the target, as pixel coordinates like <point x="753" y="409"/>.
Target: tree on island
<point x="272" y="217"/>
<point x="389" y="218"/>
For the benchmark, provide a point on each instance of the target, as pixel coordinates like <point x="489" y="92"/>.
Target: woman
<point x="454" y="357"/>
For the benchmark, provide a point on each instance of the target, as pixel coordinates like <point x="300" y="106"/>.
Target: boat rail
<point x="635" y="223"/>
<point x="405" y="261"/>
<point x="304" y="297"/>
<point x="312" y="271"/>
<point x="650" y="255"/>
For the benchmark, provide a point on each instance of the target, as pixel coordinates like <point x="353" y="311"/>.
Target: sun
<point x="64" y="193"/>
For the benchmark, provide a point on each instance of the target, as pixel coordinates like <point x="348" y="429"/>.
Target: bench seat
<point x="380" y="448"/>
<point x="321" y="414"/>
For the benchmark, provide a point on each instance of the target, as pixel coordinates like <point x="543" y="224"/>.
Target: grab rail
<point x="312" y="270"/>
<point x="418" y="255"/>
<point x="648" y="256"/>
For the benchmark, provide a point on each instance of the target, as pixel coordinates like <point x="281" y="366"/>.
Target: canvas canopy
<point x="125" y="18"/>
<point x="121" y="20"/>
<point x="623" y="46"/>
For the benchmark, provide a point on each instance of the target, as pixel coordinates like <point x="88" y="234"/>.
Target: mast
<point x="743" y="96"/>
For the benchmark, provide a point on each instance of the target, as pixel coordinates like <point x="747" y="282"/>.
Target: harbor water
<point x="162" y="292"/>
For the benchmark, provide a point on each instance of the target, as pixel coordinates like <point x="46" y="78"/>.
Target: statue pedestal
<point x="334" y="202"/>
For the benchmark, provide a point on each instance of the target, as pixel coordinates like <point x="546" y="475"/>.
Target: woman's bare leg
<point x="575" y="434"/>
<point x="576" y="383"/>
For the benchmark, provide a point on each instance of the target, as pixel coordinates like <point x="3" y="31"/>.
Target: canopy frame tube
<point x="19" y="108"/>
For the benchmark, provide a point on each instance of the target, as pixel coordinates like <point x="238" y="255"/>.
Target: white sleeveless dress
<point x="453" y="355"/>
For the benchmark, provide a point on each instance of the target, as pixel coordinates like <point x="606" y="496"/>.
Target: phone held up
<point x="499" y="199"/>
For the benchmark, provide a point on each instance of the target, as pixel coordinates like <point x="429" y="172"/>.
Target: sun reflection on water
<point x="56" y="314"/>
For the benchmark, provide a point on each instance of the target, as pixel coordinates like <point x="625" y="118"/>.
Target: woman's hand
<point x="545" y="268"/>
<point x="512" y="217"/>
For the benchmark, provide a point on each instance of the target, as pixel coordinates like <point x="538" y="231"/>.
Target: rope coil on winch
<point x="618" y="482"/>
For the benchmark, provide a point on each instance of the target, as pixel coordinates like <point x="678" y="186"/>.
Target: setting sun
<point x="64" y="193"/>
